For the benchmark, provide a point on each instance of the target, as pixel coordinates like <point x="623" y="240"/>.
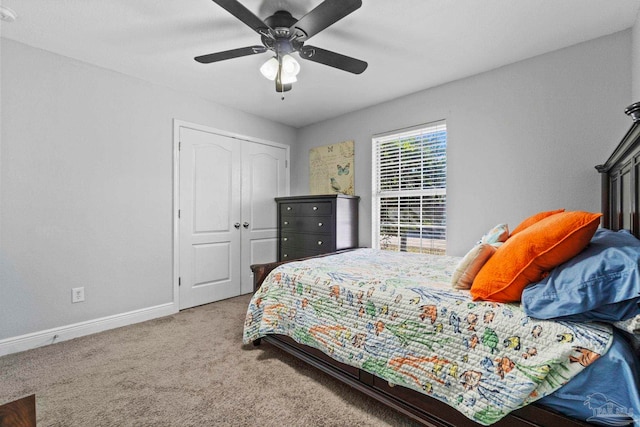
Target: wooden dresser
<point x="313" y="225"/>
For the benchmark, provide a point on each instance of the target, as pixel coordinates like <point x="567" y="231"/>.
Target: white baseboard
<point x="64" y="333"/>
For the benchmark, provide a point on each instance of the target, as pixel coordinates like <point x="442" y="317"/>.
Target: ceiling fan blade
<point x="333" y="59"/>
<point x="235" y="8"/>
<point x="326" y="13"/>
<point x="230" y="54"/>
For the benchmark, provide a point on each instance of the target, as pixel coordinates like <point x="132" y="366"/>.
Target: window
<point x="410" y="189"/>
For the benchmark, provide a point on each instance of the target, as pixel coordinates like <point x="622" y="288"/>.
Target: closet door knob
<point x="236" y="225"/>
<point x="245" y="225"/>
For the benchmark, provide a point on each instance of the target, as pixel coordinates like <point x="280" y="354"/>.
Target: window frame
<point x="378" y="195"/>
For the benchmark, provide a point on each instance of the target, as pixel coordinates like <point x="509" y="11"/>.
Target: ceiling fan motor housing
<point x="280" y="38"/>
<point x="280" y="20"/>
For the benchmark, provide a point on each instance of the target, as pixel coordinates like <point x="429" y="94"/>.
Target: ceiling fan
<point x="283" y="35"/>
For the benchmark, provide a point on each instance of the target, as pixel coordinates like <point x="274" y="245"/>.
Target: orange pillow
<point x="526" y="257"/>
<point x="528" y="222"/>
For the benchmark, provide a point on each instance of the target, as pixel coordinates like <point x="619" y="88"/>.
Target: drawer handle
<point x="289" y="208"/>
<point x="319" y="224"/>
<point x="315" y="208"/>
<point x="285" y="255"/>
<point x="285" y="239"/>
<point x="319" y="242"/>
<point x="286" y="223"/>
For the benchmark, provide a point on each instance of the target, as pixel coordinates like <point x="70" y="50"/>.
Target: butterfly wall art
<point x="331" y="169"/>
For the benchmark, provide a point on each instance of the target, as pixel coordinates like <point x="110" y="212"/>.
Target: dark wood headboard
<point x="621" y="180"/>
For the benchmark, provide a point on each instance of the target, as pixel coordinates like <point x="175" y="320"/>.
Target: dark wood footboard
<point x="261" y="271"/>
<point x="415" y="405"/>
<point x="19" y="413"/>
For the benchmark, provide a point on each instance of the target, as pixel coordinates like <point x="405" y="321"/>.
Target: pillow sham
<point x="600" y="284"/>
<point x="528" y="222"/>
<point x="472" y="262"/>
<point x="531" y="253"/>
<point x="498" y="234"/>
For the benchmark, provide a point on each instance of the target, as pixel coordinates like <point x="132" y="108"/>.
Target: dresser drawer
<point x="314" y="242"/>
<point x="307" y="224"/>
<point x="295" y="253"/>
<point x="306" y="209"/>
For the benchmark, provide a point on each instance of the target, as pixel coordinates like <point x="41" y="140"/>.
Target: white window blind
<point x="410" y="189"/>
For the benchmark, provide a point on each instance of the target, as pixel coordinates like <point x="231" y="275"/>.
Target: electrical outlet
<point x="77" y="295"/>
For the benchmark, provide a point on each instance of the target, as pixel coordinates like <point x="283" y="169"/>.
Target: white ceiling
<point x="410" y="45"/>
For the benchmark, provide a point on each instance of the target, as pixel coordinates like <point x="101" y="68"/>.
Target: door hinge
<point x="179" y="145"/>
<point x="179" y="281"/>
<point x="178" y="213"/>
<point x="286" y="164"/>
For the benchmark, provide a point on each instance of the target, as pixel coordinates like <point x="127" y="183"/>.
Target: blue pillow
<point x="601" y="283"/>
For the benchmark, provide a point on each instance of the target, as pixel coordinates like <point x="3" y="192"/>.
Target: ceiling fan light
<point x="290" y="65"/>
<point x="270" y="68"/>
<point x="287" y="78"/>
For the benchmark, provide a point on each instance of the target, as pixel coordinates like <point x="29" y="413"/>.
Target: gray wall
<point x="0" y="144"/>
<point x="636" y="60"/>
<point x="86" y="165"/>
<point x="86" y="187"/>
<point x="522" y="138"/>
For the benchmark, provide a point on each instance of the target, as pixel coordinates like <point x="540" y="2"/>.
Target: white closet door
<point x="210" y="230"/>
<point x="264" y="177"/>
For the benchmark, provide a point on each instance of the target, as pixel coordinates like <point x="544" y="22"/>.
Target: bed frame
<point x="621" y="208"/>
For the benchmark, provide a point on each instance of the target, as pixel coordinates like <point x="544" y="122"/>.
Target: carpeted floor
<point x="189" y="369"/>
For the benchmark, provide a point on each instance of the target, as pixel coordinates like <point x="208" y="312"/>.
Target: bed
<point x="444" y="358"/>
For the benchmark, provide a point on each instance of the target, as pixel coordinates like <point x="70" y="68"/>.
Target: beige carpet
<point x="189" y="369"/>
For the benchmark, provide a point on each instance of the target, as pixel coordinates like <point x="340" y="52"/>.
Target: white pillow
<point x="498" y="234"/>
<point x="471" y="264"/>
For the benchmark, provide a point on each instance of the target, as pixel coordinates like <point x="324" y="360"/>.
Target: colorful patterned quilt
<point x="396" y="316"/>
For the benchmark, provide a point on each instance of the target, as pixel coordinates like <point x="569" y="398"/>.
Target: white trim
<point x="181" y="123"/>
<point x="177" y="124"/>
<point x="407" y="132"/>
<point x="176" y="207"/>
<point x="64" y="333"/>
<point x="375" y="201"/>
<point x="376" y="193"/>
